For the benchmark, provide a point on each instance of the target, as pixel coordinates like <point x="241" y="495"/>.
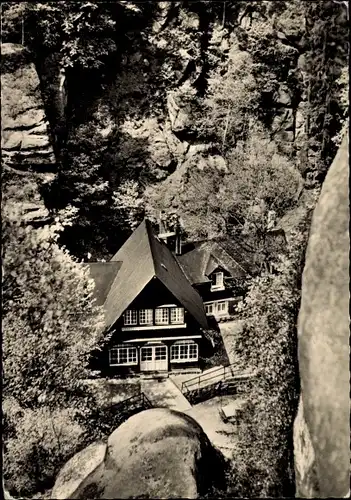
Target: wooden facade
<point x="155" y="334"/>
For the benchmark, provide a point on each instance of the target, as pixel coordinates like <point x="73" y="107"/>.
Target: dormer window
<point x="218" y="281"/>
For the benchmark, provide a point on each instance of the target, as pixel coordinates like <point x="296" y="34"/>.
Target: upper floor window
<point x="177" y="315"/>
<point x="131" y="317"/>
<point x="145" y="316"/>
<point x="162" y="316"/>
<point x="218" y="282"/>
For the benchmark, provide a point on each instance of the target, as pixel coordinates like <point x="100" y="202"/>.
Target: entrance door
<point x="153" y="358"/>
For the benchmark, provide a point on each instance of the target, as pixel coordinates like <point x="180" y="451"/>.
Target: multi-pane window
<point x="131" y="317"/>
<point x="177" y="315"/>
<point x="162" y="316"/>
<point x="160" y="352"/>
<point x="123" y="356"/>
<point x="146" y="316"/>
<point x="218" y="282"/>
<point x="184" y="351"/>
<point x="209" y="308"/>
<point x="221" y="306"/>
<point x="146" y="354"/>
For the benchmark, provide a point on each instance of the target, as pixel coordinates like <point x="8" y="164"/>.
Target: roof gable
<point x="202" y="260"/>
<point x="103" y="274"/>
<point x="142" y="257"/>
<point x="169" y="272"/>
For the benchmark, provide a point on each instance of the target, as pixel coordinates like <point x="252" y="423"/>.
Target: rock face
<point x="25" y="140"/>
<point x="77" y="469"/>
<point x="322" y="432"/>
<point x="157" y="453"/>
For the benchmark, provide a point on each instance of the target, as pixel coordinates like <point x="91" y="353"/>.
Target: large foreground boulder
<point x="322" y="430"/>
<point x="158" y="453"/>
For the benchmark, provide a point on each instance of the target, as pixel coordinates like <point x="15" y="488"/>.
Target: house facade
<point x="214" y="272"/>
<point x="154" y="317"/>
<point x="157" y="295"/>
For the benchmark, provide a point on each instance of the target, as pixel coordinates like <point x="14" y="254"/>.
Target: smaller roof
<point x="205" y="256"/>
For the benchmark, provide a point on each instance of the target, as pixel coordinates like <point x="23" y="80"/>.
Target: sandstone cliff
<point x="322" y="431"/>
<point x="25" y="135"/>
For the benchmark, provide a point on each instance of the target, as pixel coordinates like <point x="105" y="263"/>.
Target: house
<point x="215" y="268"/>
<point x="155" y="317"/>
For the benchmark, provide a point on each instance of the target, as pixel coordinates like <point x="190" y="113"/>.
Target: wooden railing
<point x="112" y="416"/>
<point x="226" y="380"/>
<point x="221" y="373"/>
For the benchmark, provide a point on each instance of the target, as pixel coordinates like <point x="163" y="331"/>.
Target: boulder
<point x="77" y="469"/>
<point x="323" y="342"/>
<point x="178" y="113"/>
<point x="158" y="453"/>
<point x="25" y="138"/>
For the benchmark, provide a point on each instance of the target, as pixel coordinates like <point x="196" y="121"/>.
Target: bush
<point x="43" y="441"/>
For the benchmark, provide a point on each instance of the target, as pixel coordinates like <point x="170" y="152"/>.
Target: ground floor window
<point x="221" y="307"/>
<point x="217" y="307"/>
<point x="209" y="308"/>
<point x="186" y="350"/>
<point x="123" y="355"/>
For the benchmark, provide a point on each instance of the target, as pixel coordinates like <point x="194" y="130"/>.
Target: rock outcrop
<point x="322" y="430"/>
<point x="25" y="139"/>
<point x="157" y="453"/>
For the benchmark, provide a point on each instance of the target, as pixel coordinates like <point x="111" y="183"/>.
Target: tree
<point x="268" y="344"/>
<point x="47" y="300"/>
<point x="225" y="198"/>
<point x="50" y="326"/>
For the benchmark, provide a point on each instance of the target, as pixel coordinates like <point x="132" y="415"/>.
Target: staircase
<point x="224" y="380"/>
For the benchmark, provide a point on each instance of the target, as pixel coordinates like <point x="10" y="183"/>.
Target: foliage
<point x="231" y="97"/>
<point x="128" y="201"/>
<point x="268" y="344"/>
<point x="50" y="326"/>
<point x="44" y="439"/>
<point x="326" y="55"/>
<point x="47" y="299"/>
<point x="214" y="201"/>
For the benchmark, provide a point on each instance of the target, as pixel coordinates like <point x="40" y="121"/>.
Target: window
<point x="123" y="356"/>
<point x="160" y="352"/>
<point x="177" y="315"/>
<point x="162" y="316"/>
<point x="209" y="308"/>
<point x="184" y="351"/>
<point x="222" y="307"/>
<point x="218" y="282"/>
<point x="146" y="354"/>
<point x="145" y="317"/>
<point x="131" y="317"/>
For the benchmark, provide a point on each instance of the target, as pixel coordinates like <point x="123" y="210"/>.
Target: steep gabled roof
<point x="103" y="273"/>
<point x="142" y="257"/>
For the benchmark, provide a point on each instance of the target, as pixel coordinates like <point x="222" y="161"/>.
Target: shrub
<point x="44" y="439"/>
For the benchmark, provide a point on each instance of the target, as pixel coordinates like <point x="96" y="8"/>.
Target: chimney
<point x="178" y="238"/>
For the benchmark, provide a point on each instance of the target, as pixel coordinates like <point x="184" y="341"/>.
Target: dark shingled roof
<point x="141" y="258"/>
<point x="103" y="273"/>
<point x="234" y="256"/>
